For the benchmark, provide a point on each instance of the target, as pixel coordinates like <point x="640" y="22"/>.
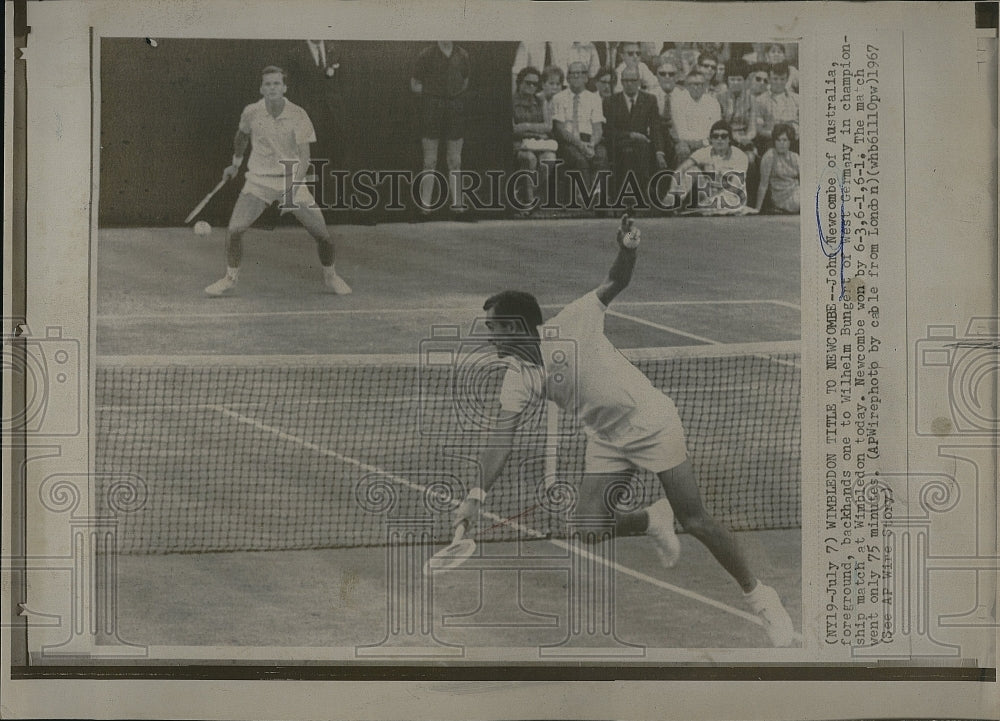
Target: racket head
<point x="450" y="557"/>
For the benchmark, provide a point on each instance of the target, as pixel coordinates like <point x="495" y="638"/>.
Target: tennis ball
<point x="202" y="228"/>
<point x="631" y="239"/>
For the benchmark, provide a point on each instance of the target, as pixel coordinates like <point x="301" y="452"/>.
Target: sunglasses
<point x="666" y="73"/>
<point x="533" y="83"/>
<point x="710" y="66"/>
<point x="632" y="52"/>
<point x="719" y="136"/>
<point x="760" y="79"/>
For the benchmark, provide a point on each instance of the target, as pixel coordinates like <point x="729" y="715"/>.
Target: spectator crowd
<point x="723" y="116"/>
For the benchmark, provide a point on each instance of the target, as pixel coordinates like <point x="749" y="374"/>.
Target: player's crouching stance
<point x="277" y="130"/>
<point x="629" y="424"/>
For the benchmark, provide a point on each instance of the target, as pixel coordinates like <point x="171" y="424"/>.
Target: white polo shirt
<point x="275" y="139"/>
<point x="586" y="375"/>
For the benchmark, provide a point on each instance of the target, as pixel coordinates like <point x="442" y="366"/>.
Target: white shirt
<point x="275" y="139"/>
<point x="693" y="120"/>
<point x="584" y="374"/>
<point x="660" y="95"/>
<point x="589" y="111"/>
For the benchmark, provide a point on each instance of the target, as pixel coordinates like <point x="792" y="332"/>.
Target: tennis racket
<point x="452" y="556"/>
<point x="204" y="201"/>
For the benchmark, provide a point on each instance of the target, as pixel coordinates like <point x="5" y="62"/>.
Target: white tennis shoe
<point x="221" y="286"/>
<point x="661" y="530"/>
<point x="335" y="283"/>
<point x="765" y="603"/>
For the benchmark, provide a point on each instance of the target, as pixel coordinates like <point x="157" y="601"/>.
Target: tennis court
<point x="226" y="410"/>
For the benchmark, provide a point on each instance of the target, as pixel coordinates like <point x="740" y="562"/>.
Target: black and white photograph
<point x="428" y="363"/>
<point x="421" y="348"/>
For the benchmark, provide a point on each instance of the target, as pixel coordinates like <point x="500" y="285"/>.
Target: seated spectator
<point x="532" y="54"/>
<point x="779" y="174"/>
<point x="562" y="54"/>
<point x="605" y="83"/>
<point x="553" y="79"/>
<point x="717" y="160"/>
<point x="578" y="124"/>
<point x="777" y="105"/>
<point x="630" y="59"/>
<point x="708" y="65"/>
<point x="776" y="55"/>
<point x="666" y="75"/>
<point x="694" y="111"/>
<point x="632" y="129"/>
<point x="533" y="143"/>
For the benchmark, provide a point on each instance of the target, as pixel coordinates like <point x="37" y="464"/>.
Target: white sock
<point x="329" y="270"/>
<point x="232" y="273"/>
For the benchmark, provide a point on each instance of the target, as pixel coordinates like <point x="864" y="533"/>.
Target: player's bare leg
<point x="685" y="499"/>
<point x="430" y="150"/>
<point x="453" y="156"/>
<point x="312" y="220"/>
<point x="247" y="209"/>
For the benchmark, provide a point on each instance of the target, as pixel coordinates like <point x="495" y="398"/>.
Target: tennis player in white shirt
<point x="278" y="131"/>
<point x="629" y="424"/>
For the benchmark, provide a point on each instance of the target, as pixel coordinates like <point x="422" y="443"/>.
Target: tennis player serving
<point x="277" y="130"/>
<point x="629" y="424"/>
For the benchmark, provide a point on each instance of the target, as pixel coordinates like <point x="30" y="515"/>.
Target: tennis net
<point x="282" y="452"/>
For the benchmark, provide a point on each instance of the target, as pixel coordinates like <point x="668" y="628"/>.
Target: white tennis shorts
<point x="270" y="188"/>
<point x="654" y="446"/>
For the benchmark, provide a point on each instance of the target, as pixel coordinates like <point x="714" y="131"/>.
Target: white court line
<point x="513" y="524"/>
<point x="660" y="326"/>
<point x="111" y="318"/>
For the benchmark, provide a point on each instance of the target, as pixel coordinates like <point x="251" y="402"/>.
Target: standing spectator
<point x="607" y="53"/>
<point x="777" y="105"/>
<point x="779" y="173"/>
<point x="562" y="54"/>
<point x="694" y="112"/>
<point x="666" y="75"/>
<point x="717" y="160"/>
<point x="578" y="123"/>
<point x="314" y="69"/>
<point x="440" y="79"/>
<point x="650" y="52"/>
<point x="630" y="59"/>
<point x="633" y="129"/>
<point x="605" y="83"/>
<point x="532" y="54"/>
<point x="533" y="143"/>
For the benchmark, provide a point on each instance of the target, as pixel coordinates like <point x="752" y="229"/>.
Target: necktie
<point x="576" y="113"/>
<point x="628" y="104"/>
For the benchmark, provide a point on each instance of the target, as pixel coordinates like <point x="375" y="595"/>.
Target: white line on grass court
<point x="247" y="420"/>
<point x="660" y="326"/>
<point x="112" y="318"/>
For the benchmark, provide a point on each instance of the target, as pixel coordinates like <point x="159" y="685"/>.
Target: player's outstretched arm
<point x="492" y="459"/>
<point x="621" y="270"/>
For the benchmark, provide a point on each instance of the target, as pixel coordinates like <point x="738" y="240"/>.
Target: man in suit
<point x="314" y="69"/>
<point x="633" y="130"/>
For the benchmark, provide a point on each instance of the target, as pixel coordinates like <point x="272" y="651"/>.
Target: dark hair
<point x="759" y="68"/>
<point x="553" y="71"/>
<point x="274" y="69"/>
<point x="783" y="129"/>
<point x="736" y="67"/>
<point x="516" y="304"/>
<point x="610" y="71"/>
<point x="707" y="56"/>
<point x="525" y="72"/>
<point x="780" y="69"/>
<point x="721" y="125"/>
